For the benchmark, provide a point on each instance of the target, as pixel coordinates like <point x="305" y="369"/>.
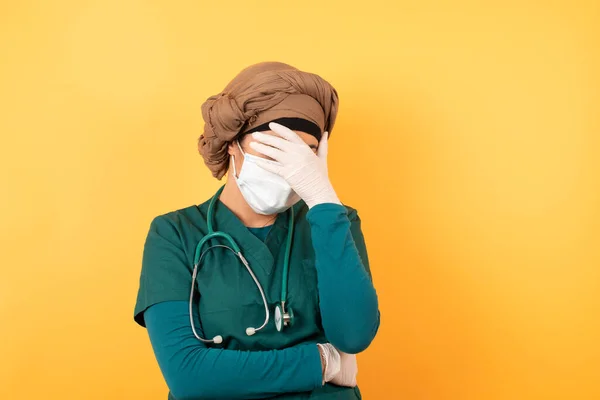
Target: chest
<point x="229" y="300"/>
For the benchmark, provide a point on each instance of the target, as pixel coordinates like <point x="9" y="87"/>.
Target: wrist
<point x="329" y="198"/>
<point x="322" y="194"/>
<point x="330" y="201"/>
<point x="323" y="364"/>
<point x="330" y="359"/>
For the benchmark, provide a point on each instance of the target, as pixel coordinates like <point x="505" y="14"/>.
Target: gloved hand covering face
<point x="260" y="94"/>
<point x="294" y="161"/>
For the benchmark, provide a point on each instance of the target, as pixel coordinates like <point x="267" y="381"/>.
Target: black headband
<point x="295" y="124"/>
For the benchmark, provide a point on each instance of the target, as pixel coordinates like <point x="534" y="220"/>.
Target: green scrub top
<point x="227" y="298"/>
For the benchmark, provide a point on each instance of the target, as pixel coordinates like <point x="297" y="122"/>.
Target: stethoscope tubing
<point x="199" y="256"/>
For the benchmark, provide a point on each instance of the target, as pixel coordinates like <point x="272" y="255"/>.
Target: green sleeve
<point x="192" y="370"/>
<point x="347" y="298"/>
<point x="359" y="239"/>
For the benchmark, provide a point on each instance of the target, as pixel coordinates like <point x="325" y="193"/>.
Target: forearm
<point x="194" y="371"/>
<point x="347" y="298"/>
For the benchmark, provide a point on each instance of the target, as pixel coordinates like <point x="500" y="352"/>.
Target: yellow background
<point x="468" y="139"/>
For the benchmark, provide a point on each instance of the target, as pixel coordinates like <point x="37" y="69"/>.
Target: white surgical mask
<point x="265" y="192"/>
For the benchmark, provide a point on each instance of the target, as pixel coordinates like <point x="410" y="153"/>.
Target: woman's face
<point x="234" y="151"/>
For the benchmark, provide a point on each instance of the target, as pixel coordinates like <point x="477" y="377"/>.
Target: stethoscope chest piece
<point x="282" y="317"/>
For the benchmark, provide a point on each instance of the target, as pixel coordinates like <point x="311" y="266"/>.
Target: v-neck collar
<point x="254" y="249"/>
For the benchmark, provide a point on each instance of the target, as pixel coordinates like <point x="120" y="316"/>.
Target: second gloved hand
<point x="305" y="171"/>
<point x="348" y="370"/>
<point x="339" y="368"/>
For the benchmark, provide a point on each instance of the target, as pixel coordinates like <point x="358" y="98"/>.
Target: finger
<point x="268" y="151"/>
<point x="285" y="132"/>
<point x="273" y="141"/>
<point x="323" y="146"/>
<point x="269" y="166"/>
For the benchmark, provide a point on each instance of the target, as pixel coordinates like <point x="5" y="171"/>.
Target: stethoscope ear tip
<point x="250" y="331"/>
<point x="218" y="339"/>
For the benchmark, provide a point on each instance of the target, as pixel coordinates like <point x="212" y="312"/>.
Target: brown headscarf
<point x="262" y="93"/>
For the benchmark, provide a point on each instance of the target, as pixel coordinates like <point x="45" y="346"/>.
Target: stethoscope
<point x="283" y="316"/>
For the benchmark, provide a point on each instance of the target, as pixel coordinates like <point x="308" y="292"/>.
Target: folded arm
<point x="193" y="370"/>
<point x="347" y="297"/>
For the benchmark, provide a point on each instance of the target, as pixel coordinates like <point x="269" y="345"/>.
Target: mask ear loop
<point x="235" y="174"/>
<point x="240" y="147"/>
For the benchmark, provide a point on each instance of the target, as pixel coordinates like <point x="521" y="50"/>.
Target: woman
<point x="283" y="319"/>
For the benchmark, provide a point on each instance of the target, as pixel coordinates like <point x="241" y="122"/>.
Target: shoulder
<point x="180" y="222"/>
<point x="352" y="213"/>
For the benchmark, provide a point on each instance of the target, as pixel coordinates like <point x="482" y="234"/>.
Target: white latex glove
<point x="330" y="361"/>
<point x="304" y="171"/>
<point x="348" y="370"/>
